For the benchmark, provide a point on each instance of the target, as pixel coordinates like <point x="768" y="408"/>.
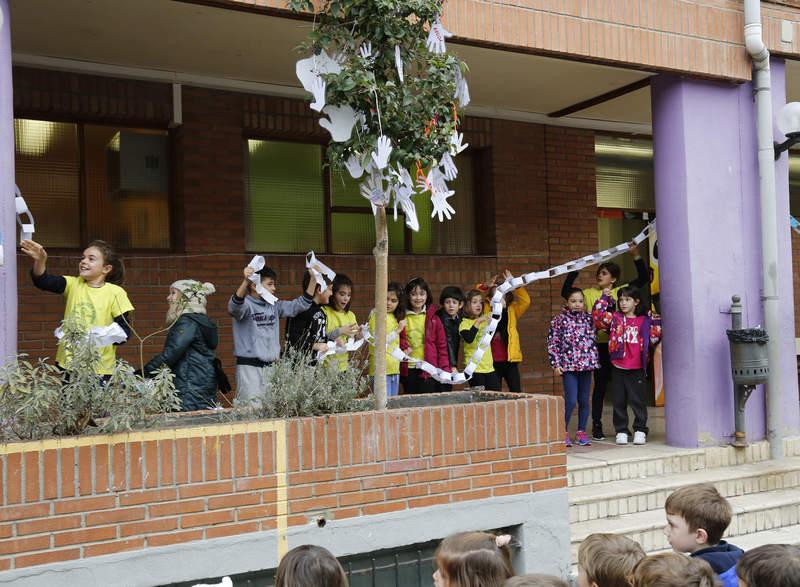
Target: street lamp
<point x="789" y="125"/>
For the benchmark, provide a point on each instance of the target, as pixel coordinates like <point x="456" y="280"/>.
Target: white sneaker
<point x="639" y="437"/>
<point x="622" y="438"/>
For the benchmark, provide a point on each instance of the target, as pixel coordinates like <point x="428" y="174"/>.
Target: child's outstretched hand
<point x="558" y="370"/>
<point x="608" y="292"/>
<point x="401" y="326"/>
<point x="633" y="249"/>
<point x="481" y="319"/>
<point x="350" y="329"/>
<point x="248" y="271"/>
<point x="508" y="275"/>
<point x="34" y="250"/>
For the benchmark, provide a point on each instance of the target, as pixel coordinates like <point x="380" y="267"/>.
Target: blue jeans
<point x="577" y="386"/>
<point x="392" y="384"/>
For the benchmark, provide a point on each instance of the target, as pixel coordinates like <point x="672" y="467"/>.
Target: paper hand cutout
<point x="366" y="52"/>
<point x="318" y="89"/>
<point x="449" y="167"/>
<point x="440" y="205"/>
<point x="257" y="263"/>
<point x="398" y="63"/>
<point x="436" y="37"/>
<point x="307" y="70"/>
<point x="340" y="125"/>
<point x="372" y="189"/>
<point x="101" y="335"/>
<point x="318" y="268"/>
<point x="456" y="141"/>
<point x="403" y="191"/>
<point x="354" y="167"/>
<point x="434" y="182"/>
<point x="26" y="229"/>
<point x="384" y="150"/>
<point x="462" y="89"/>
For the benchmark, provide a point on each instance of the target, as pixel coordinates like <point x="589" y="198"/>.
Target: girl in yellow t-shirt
<point x="340" y="322"/>
<point x="472" y="327"/>
<point x="95" y="297"/>
<point x="395" y="334"/>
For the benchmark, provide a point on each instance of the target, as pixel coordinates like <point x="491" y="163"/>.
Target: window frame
<point x="172" y="205"/>
<point x="327" y="189"/>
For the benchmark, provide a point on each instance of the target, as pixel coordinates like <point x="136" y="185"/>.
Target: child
<point x="535" y="580"/>
<point x="631" y="333"/>
<point x="573" y="355"/>
<point x="472" y="327"/>
<point x="607" y="277"/>
<point x="606" y="560"/>
<point x="771" y="565"/>
<point x="256" y="330"/>
<point x="669" y="569"/>
<point x="473" y="558"/>
<point x="395" y="332"/>
<point x="506" y="350"/>
<point x="451" y="301"/>
<point x="308" y="565"/>
<point x="305" y="333"/>
<point x="426" y="338"/>
<point x="341" y="322"/>
<point x="697" y="517"/>
<point x="95" y="297"/>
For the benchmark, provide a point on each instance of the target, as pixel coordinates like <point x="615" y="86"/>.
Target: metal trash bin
<point x="749" y="359"/>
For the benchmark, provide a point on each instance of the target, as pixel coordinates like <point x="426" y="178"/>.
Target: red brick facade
<point x="537" y="207"/>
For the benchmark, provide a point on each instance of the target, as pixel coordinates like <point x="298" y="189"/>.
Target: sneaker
<point x="622" y="438"/>
<point x="567" y="441"/>
<point x="582" y="439"/>
<point x="597" y="433"/>
<point x="639" y="437"/>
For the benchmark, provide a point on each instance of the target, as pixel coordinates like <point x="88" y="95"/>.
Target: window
<point x="85" y="181"/>
<point x="297" y="203"/>
<point x="624" y="173"/>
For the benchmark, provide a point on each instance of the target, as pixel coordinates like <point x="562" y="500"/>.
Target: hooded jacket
<point x="513" y="311"/>
<point x="721" y="557"/>
<point x="605" y="318"/>
<point x="189" y="353"/>
<point x="571" y="342"/>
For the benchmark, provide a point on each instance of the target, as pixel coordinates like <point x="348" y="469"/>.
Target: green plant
<point x="296" y="388"/>
<point x="40" y="400"/>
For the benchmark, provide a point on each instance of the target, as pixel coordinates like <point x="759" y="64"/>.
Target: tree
<point x="390" y="96"/>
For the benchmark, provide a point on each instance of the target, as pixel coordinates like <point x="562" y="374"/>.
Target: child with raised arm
<point x="306" y="332"/>
<point x="256" y="330"/>
<point x="341" y="321"/>
<point x="608" y="277"/>
<point x="95" y="297"/>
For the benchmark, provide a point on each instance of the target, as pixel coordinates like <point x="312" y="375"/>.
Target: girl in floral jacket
<point x="573" y="355"/>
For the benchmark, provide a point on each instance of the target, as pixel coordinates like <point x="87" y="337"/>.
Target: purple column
<point x="706" y="179"/>
<point x="8" y="272"/>
<point x="788" y="365"/>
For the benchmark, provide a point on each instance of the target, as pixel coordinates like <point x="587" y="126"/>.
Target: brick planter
<point x="79" y="498"/>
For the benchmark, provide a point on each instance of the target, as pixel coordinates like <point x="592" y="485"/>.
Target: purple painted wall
<point x="8" y="272"/>
<point x="707" y="203"/>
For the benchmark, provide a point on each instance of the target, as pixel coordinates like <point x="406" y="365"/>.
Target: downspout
<point x="769" y="225"/>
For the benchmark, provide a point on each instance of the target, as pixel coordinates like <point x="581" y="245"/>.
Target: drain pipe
<point x="769" y="225"/>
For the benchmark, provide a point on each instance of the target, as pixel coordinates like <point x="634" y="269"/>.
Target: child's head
<point x="321" y="296"/>
<point x="535" y="580"/>
<point x="99" y="260"/>
<point x="771" y="565"/>
<point x="473" y="559"/>
<point x="607" y="274"/>
<point x="606" y="560"/>
<point x="310" y="565"/>
<point x="575" y="300"/>
<point x="473" y="304"/>
<point x="629" y="301"/>
<point x="452" y="300"/>
<point x="418" y="294"/>
<point x="342" y="293"/>
<point x="396" y="301"/>
<point x="697" y="517"/>
<point x="268" y="279"/>
<point x="670" y="569"/>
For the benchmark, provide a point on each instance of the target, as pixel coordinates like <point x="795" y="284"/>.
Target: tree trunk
<point x="381" y="252"/>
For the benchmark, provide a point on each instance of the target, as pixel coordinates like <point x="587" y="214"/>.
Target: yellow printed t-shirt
<point x="392" y="364"/>
<point x="590" y="297"/>
<point x="415" y="332"/>
<point x="94" y="306"/>
<point x="335" y="319"/>
<point x="487" y="362"/>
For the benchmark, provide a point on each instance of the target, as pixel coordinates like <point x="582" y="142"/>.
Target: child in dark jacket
<point x="306" y="332"/>
<point x="631" y="333"/>
<point x="451" y="301"/>
<point x="573" y="355"/>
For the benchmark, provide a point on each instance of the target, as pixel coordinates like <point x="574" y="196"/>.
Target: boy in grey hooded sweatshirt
<point x="256" y="330"/>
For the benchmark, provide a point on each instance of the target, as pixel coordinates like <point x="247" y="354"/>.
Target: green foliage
<point x="296" y="388"/>
<point x="406" y="109"/>
<point x="40" y="400"/>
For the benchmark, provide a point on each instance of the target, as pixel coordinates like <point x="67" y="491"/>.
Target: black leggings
<point x="489" y="381"/>
<point x="510" y="372"/>
<point x="414" y="382"/>
<point x="601" y="379"/>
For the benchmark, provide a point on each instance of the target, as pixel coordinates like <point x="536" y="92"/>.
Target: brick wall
<point x="536" y="207"/>
<point x="77" y="498"/>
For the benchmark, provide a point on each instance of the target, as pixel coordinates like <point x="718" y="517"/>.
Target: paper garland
<point x="318" y="268"/>
<point x="26" y="229"/>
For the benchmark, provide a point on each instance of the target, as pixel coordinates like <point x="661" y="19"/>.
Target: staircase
<point x="623" y="490"/>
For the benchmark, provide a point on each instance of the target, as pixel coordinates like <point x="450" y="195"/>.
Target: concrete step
<point x="604" y="461"/>
<point x="769" y="510"/>
<point x="617" y="498"/>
